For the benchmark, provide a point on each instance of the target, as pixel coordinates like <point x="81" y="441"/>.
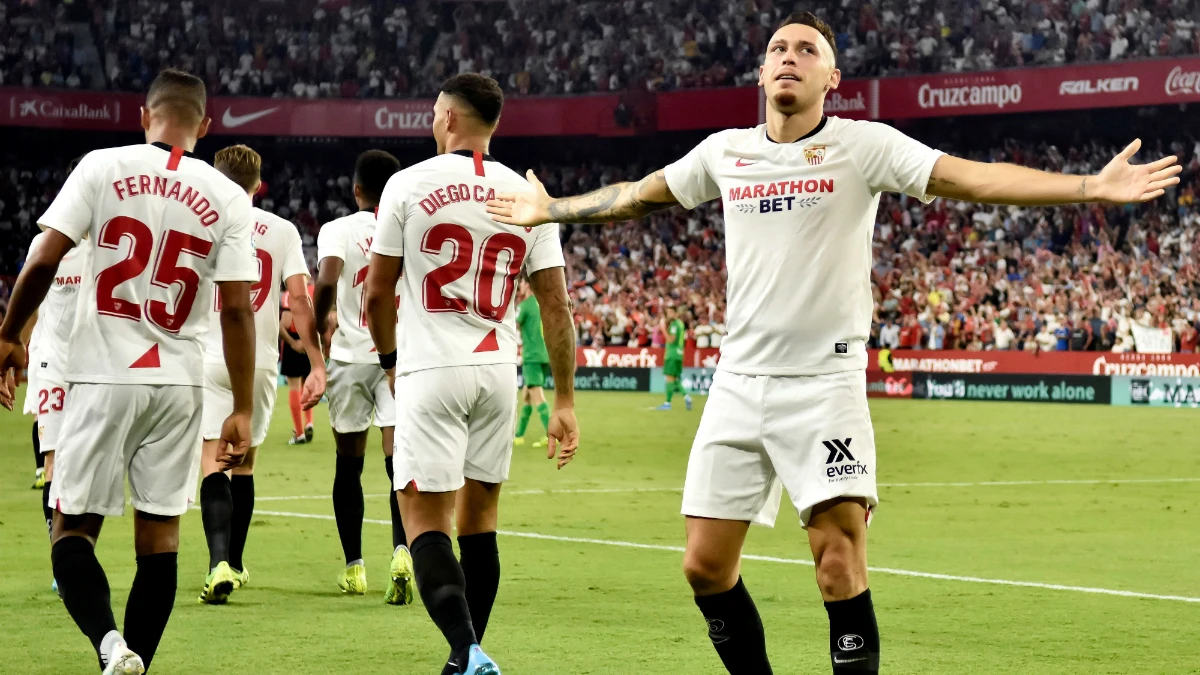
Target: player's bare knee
<point x="351" y="444"/>
<point x="246" y="468"/>
<point x="839" y="571"/>
<point x="49" y="465"/>
<point x="86" y="525"/>
<point x="708" y="573"/>
<point x="154" y="534"/>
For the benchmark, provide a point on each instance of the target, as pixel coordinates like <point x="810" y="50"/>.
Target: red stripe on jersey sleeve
<point x="176" y="155"/>
<point x="478" y="156"/>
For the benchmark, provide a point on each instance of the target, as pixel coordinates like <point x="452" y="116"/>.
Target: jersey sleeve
<point x="236" y="260"/>
<point x="293" y="257"/>
<point x="689" y="178"/>
<point x="71" y="211"/>
<point x="893" y="162"/>
<point x="389" y="219"/>
<point x="330" y="242"/>
<point x="546" y="251"/>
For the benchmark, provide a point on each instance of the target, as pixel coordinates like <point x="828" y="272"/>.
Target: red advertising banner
<point x="1124" y="83"/>
<point x="1044" y="363"/>
<point x="889" y="385"/>
<point x="557" y="116"/>
<point x="1107" y="85"/>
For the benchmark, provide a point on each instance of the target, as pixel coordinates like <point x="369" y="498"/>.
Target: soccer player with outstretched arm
<point x="788" y="404"/>
<point x="164" y="227"/>
<point x="453" y="357"/>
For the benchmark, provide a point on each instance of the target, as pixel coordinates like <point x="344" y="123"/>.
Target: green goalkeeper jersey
<point x="533" y="343"/>
<point x="676" y="339"/>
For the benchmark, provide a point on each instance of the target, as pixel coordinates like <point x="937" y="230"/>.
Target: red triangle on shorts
<point x="489" y="343"/>
<point x="149" y="359"/>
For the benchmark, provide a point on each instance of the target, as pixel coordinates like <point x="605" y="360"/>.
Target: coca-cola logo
<point x="42" y="108"/>
<point x="404" y="120"/>
<point x="990" y="95"/>
<point x="1181" y="82"/>
<point x="835" y="102"/>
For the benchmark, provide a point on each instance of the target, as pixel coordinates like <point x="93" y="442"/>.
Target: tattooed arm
<point x="986" y="183"/>
<point x="620" y="201"/>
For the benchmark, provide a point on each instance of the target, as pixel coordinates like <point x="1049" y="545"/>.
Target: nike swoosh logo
<point x="740" y="162"/>
<point x="841" y="661"/>
<point x="233" y="121"/>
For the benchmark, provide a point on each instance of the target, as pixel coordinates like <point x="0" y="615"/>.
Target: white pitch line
<point x="988" y="483"/>
<point x="791" y="561"/>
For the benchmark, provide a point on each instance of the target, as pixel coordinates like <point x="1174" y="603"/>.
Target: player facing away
<point x="227" y="497"/>
<point x="454" y="366"/>
<point x="164" y="226"/>
<point x="676" y="332"/>
<point x="357" y="388"/>
<point x="788" y="402"/>
<point x="46" y="393"/>
<point x="535" y="364"/>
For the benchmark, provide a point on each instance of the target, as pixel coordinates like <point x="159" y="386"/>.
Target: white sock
<point x="399" y="548"/>
<point x="352" y="563"/>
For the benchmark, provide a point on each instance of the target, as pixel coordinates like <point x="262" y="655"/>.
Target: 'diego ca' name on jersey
<point x="460" y="266"/>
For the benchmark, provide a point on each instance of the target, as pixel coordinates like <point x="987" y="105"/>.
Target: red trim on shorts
<point x="478" y="157"/>
<point x="176" y="155"/>
<point x="376" y="213"/>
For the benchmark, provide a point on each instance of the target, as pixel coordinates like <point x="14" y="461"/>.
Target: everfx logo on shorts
<point x="836" y="468"/>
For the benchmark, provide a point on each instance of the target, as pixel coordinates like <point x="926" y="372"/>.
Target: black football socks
<point x="853" y="635"/>
<point x="442" y="585"/>
<point x="47" y="510"/>
<point x="241" y="489"/>
<point x="37" y="447"/>
<point x="83" y="588"/>
<point x="348" y="505"/>
<point x="216" y="511"/>
<point x="398" y="536"/>
<point x="150" y="601"/>
<point x="480" y="560"/>
<point x="736" y="630"/>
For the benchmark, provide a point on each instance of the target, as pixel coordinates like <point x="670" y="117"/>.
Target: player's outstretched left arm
<point x="619" y="201"/>
<point x="306" y="326"/>
<point x="549" y="286"/>
<point x="237" y="335"/>
<point x="993" y="183"/>
<point x="32" y="285"/>
<point x="382" y="275"/>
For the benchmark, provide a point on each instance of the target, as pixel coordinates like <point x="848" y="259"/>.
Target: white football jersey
<point x="56" y="315"/>
<point x="460" y="266"/>
<point x="349" y="238"/>
<point x="280" y="256"/>
<point x="798" y="223"/>
<point x="164" y="226"/>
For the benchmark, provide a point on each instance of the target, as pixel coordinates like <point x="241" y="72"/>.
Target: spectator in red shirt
<point x="1188" y="339"/>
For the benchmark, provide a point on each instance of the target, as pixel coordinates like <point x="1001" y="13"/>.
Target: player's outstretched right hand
<point x="235" y="440"/>
<point x="12" y="357"/>
<point x="563" y="435"/>
<point x="526" y="209"/>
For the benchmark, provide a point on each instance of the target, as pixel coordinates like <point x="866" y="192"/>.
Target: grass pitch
<point x="969" y="492"/>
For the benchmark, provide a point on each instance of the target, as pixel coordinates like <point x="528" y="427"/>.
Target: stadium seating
<point x="358" y="48"/>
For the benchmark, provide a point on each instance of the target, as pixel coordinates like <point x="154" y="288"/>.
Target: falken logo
<point x="839" y="453"/>
<point x="1104" y="85"/>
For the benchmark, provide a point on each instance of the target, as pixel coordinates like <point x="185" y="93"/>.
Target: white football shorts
<point x="149" y="432"/>
<point x="762" y="433"/>
<point x="357" y="392"/>
<point x="455" y="423"/>
<point x="218" y="401"/>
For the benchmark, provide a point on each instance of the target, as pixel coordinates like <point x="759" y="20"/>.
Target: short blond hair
<point x="240" y="164"/>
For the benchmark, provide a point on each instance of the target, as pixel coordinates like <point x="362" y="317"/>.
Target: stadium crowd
<point x="371" y="48"/>
<point x="948" y="275"/>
